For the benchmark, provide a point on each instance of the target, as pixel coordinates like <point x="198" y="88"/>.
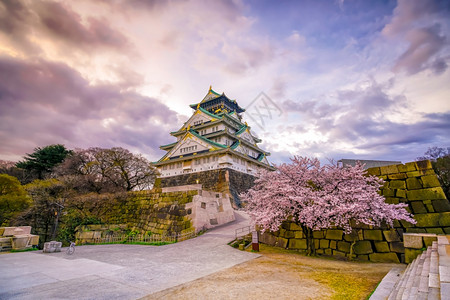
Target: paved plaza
<point x="119" y="271"/>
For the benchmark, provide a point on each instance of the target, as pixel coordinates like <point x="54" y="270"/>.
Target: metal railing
<point x="140" y="238"/>
<point x="243" y="231"/>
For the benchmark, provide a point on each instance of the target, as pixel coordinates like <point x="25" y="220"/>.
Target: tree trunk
<point x="310" y="249"/>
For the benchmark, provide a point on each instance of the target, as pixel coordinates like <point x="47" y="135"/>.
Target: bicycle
<point x="71" y="249"/>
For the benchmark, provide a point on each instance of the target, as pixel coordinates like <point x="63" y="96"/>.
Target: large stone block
<point x="297" y="244"/>
<point x="435" y="230"/>
<point x="391" y="235"/>
<point x="319" y="234"/>
<point x="374" y="171"/>
<point x="386" y="170"/>
<point x="397" y="184"/>
<point x="400" y="193"/>
<point x="333" y="244"/>
<point x="411" y="166"/>
<point x="363" y="247"/>
<point x="411" y="254"/>
<point x="397" y="176"/>
<point x="444" y="220"/>
<point x="384" y="257"/>
<point x="424" y="165"/>
<point x="429" y="181"/>
<point x="388" y="192"/>
<point x="428" y="220"/>
<point x="418" y="207"/>
<point x="381" y="247"/>
<point x="338" y="254"/>
<point x="441" y="205"/>
<point x="426" y="194"/>
<point x="294" y="227"/>
<point x="334" y="234"/>
<point x="343" y="246"/>
<point x="413" y="240"/>
<point x="353" y="236"/>
<point x="324" y="243"/>
<point x="413" y="183"/>
<point x="374" y="235"/>
<point x="397" y="247"/>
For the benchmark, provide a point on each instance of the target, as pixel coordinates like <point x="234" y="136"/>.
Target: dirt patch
<point x="284" y="274"/>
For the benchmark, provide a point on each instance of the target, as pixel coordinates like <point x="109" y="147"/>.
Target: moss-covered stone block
<point x="338" y="254"/>
<point x="424" y="194"/>
<point x="294" y="227"/>
<point x="400" y="193"/>
<point x="374" y="235"/>
<point x="374" y="171"/>
<point x="441" y="205"/>
<point x="324" y="243"/>
<point x="392" y="200"/>
<point x="363" y="257"/>
<point x="381" y="247"/>
<point x="397" y="184"/>
<point x="297" y="244"/>
<point x="428" y="240"/>
<point x="413" y="183"/>
<point x="350" y="237"/>
<point x="444" y="220"/>
<point x="363" y="247"/>
<point x="318" y="234"/>
<point x="343" y="246"/>
<point x="429" y="181"/>
<point x="397" y="247"/>
<point x="388" y="192"/>
<point x="415" y="230"/>
<point x="424" y="165"/>
<point x="333" y="244"/>
<point x="299" y="234"/>
<point x="397" y="176"/>
<point x="328" y="251"/>
<point x="411" y="254"/>
<point x="418" y="207"/>
<point x="447" y="230"/>
<point x="411" y="166"/>
<point x="289" y="234"/>
<point x="391" y="235"/>
<point x="437" y="230"/>
<point x="428" y="220"/>
<point x="386" y="170"/>
<point x="384" y="257"/>
<point x="334" y="234"/>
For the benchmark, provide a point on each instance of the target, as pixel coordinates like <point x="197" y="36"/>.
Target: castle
<point x="213" y="147"/>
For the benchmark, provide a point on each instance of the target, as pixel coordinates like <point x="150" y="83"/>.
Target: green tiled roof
<point x="207" y="140"/>
<point x="243" y="128"/>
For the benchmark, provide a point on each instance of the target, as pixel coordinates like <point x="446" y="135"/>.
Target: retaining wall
<point x="414" y="183"/>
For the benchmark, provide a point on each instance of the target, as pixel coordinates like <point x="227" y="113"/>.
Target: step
<point x="406" y="286"/>
<point x="413" y="284"/>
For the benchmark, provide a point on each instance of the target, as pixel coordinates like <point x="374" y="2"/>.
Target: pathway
<point x="119" y="271"/>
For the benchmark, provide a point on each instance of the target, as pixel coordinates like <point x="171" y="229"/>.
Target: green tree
<point x="13" y="198"/>
<point x="42" y="161"/>
<point x="440" y="160"/>
<point x="49" y="198"/>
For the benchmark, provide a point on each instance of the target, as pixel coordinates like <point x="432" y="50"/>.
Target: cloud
<point x="60" y="106"/>
<point x="29" y="24"/>
<point x="366" y="119"/>
<point x="424" y="44"/>
<point x="420" y="24"/>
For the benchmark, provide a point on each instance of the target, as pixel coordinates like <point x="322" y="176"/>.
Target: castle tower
<point x="213" y="148"/>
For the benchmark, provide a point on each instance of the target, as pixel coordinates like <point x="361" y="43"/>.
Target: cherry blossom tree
<point x="316" y="197"/>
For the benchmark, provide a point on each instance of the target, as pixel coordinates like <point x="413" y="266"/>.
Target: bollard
<point x="255" y="241"/>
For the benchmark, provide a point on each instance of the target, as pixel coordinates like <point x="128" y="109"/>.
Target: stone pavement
<point x="119" y="271"/>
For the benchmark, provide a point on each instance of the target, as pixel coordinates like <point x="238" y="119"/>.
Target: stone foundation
<point x="227" y="181"/>
<point x="413" y="183"/>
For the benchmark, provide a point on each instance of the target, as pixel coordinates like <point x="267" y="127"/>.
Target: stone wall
<point x="153" y="210"/>
<point x="414" y="183"/>
<point x="225" y="180"/>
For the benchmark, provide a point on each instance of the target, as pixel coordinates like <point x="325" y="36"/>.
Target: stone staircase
<point x="427" y="277"/>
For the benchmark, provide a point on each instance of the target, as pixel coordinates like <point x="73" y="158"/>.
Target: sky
<point x="328" y="79"/>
